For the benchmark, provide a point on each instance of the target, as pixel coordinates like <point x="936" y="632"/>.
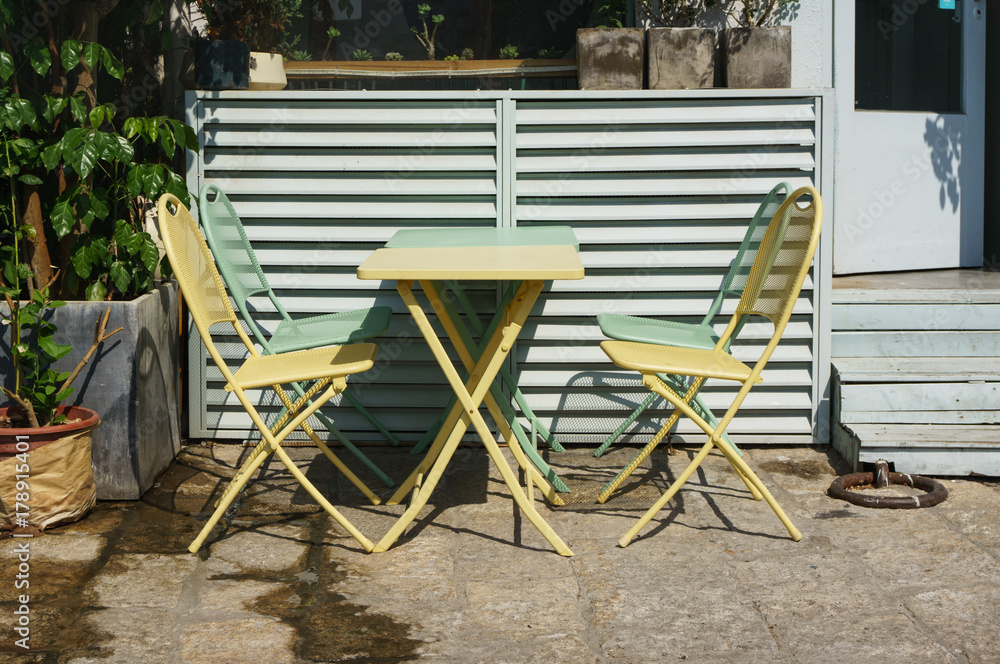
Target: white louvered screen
<point x="658" y="189"/>
<point x="659" y="194"/>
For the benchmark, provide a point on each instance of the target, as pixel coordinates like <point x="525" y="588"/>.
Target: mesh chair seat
<point x="324" y="330"/>
<point x="654" y="331"/>
<point x="335" y="362"/>
<point x="656" y="359"/>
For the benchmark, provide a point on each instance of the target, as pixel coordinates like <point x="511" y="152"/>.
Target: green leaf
<point x="112" y="64"/>
<point x="149" y="253"/>
<point x="167" y="141"/>
<point x="96" y="292"/>
<point x="91" y="53"/>
<point x="153" y="180"/>
<point x="62" y="217"/>
<point x="125" y="150"/>
<point x="70" y="53"/>
<point x="81" y="259"/>
<point x="97" y="117"/>
<point x="99" y="203"/>
<point x="133" y="244"/>
<point x="78" y="110"/>
<point x="38" y="55"/>
<point x="133" y="180"/>
<point x="51" y="156"/>
<point x="120" y="275"/>
<point x="122" y="232"/>
<point x="84" y="158"/>
<point x="166" y="269"/>
<point x="178" y="187"/>
<point x="53" y="107"/>
<point x="6" y="65"/>
<point x="53" y="350"/>
<point x="30" y="179"/>
<point x="131" y="127"/>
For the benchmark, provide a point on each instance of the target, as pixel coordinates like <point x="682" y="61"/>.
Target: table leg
<point x="466" y="411"/>
<point x="501" y="412"/>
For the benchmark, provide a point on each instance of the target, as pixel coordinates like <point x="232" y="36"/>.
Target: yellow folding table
<point x="530" y="265"/>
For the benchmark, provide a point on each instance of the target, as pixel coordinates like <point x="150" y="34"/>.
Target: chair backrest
<point x="230" y="246"/>
<point x="783" y="260"/>
<point x="739" y="270"/>
<point x="193" y="266"/>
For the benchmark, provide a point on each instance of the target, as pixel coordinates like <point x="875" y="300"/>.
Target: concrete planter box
<point x="131" y="382"/>
<point x="681" y="58"/>
<point x="758" y="57"/>
<point x="610" y="58"/>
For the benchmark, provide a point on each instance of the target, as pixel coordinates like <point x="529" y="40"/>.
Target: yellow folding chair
<point x="772" y="289"/>
<point x="324" y="369"/>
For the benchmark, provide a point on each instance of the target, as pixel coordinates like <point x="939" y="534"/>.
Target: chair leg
<point x="610" y="487"/>
<point x="751" y="476"/>
<point x="624" y="425"/>
<point x="665" y="498"/>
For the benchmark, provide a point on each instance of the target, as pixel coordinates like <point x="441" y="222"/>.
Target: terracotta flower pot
<point x="46" y="476"/>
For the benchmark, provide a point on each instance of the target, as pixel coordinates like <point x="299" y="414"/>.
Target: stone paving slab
<point x="713" y="578"/>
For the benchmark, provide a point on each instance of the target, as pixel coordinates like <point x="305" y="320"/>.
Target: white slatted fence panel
<point x="659" y="193"/>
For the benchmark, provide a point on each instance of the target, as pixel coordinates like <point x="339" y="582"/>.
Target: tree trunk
<point x="40" y="261"/>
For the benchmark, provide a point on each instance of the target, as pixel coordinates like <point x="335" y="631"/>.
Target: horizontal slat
<point x="424" y="138"/>
<point x="548" y="329"/>
<point x="340" y="160"/>
<point x="917" y="369"/>
<point x="944" y="461"/>
<point x="915" y="344"/>
<point x="539" y="376"/>
<point x="372" y="208"/>
<point x="270" y="115"/>
<point x="594" y="355"/>
<point x="923" y="435"/>
<point x="674" y="160"/>
<point x="909" y="316"/>
<point x="307" y="183"/>
<point x="920" y="397"/>
<point x="533" y="138"/>
<point x="599" y="114"/>
<point x="663" y="184"/>
<point x="632" y="209"/>
<point x="921" y="417"/>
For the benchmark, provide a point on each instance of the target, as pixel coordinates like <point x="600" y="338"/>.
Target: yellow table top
<point x="471" y="263"/>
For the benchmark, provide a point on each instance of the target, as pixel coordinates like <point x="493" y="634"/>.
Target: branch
<point x="29" y="410"/>
<point x="99" y="338"/>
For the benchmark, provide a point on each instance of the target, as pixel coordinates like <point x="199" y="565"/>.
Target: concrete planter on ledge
<point x="132" y="382"/>
<point x="758" y="57"/>
<point x="681" y="58"/>
<point x="610" y="58"/>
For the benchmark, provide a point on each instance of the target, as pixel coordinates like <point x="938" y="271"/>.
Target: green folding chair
<point x="243" y="276"/>
<point x="687" y="335"/>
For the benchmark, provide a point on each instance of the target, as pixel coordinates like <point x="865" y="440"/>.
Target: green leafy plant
<point x="392" y="55"/>
<point x="550" y="53"/>
<point x="451" y="58"/>
<point x="509" y="52"/>
<point x="614" y="13"/>
<point x="260" y="23"/>
<point x="682" y="13"/>
<point x="78" y="179"/>
<point x="467" y="54"/>
<point x="298" y="56"/>
<point x="331" y="34"/>
<point x="426" y="37"/>
<point x="361" y="55"/>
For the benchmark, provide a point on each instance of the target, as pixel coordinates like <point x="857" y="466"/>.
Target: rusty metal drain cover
<point x="934" y="491"/>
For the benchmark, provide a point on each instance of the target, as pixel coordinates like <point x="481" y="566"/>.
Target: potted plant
<point x="79" y="176"/>
<point x="244" y="42"/>
<point x="680" y="55"/>
<point x="610" y="56"/>
<point x="758" y="53"/>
